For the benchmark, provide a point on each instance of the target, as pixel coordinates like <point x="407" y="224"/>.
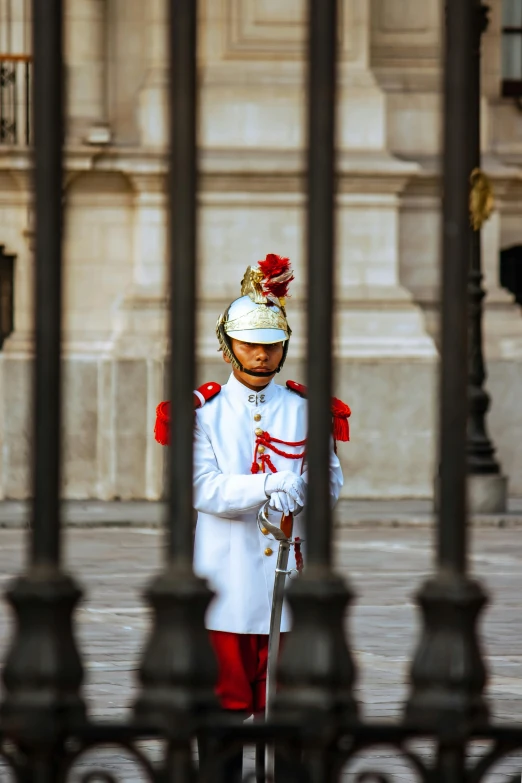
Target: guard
<point x="249" y="446"/>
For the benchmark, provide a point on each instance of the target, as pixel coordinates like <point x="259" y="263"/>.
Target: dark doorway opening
<point x="7" y="263"/>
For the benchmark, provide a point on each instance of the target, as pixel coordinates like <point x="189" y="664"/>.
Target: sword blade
<point x="273" y="646"/>
<point x="275" y="623"/>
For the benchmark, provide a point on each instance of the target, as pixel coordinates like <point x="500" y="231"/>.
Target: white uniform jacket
<point x="230" y="550"/>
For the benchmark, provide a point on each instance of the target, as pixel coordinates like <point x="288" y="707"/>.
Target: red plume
<point x="277" y="274"/>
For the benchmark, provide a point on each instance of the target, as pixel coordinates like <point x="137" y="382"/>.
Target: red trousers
<point x="242" y="659"/>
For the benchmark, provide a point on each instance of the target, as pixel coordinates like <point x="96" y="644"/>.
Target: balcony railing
<point x="15" y="99"/>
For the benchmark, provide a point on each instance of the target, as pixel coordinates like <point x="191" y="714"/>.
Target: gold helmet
<point x="258" y="316"/>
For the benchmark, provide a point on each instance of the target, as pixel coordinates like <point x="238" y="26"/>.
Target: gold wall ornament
<point x="481" y="201"/>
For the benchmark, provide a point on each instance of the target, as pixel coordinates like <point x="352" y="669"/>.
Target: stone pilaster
<point x="153" y="95"/>
<point x="405" y="58"/>
<point x="86" y="27"/>
<point x="139" y="321"/>
<point x="15" y="27"/>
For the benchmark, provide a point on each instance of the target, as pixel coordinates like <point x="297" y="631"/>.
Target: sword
<point x="283" y="534"/>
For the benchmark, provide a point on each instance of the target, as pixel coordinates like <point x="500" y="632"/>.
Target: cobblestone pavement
<point x="385" y="566"/>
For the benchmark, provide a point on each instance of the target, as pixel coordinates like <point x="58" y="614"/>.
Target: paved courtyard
<point x="385" y="565"/>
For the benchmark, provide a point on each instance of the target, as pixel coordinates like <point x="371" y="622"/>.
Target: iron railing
<point x="44" y="724"/>
<point x="15" y="99"/>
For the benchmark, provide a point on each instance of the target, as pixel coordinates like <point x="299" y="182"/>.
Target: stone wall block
<point x="505" y="418"/>
<point x="392" y="428"/>
<point x="130" y="422"/>
<point x="80" y="415"/>
<point x="2" y="430"/>
<point x="16" y="409"/>
<point x="156" y="454"/>
<point x="105" y="435"/>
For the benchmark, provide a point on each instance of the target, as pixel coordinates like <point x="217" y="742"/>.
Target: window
<point x="6" y="294"/>
<point x="512" y="48"/>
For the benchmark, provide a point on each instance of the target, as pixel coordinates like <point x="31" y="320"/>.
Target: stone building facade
<point x="251" y="135"/>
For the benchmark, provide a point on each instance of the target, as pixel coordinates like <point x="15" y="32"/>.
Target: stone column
<point x="86" y="27"/>
<point x="139" y="343"/>
<point x="153" y="96"/>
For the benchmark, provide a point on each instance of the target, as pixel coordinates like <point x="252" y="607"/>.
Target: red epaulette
<point x="201" y="396"/>
<point x="340" y="412"/>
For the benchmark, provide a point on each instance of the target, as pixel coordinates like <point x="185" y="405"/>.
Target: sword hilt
<point x="287" y="525"/>
<point x="280" y="533"/>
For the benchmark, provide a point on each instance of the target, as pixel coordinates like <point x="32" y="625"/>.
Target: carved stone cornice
<point x="277" y="173"/>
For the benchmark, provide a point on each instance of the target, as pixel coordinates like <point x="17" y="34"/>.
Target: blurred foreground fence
<point x="44" y="724"/>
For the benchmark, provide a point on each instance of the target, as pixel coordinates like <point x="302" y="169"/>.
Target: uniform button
<point x="269" y="551"/>
<point x="260" y="466"/>
<point x="258" y="432"/>
<point x="257" y="417"/>
<point x="264" y="531"/>
<point x="261" y="449"/>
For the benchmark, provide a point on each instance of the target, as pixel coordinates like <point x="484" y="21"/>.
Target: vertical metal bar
<point x="2" y="119"/>
<point x="320" y="257"/>
<point x="448" y="674"/>
<point x="27" y="107"/>
<point x="43" y="670"/>
<point x="456" y="248"/>
<point x="182" y="222"/>
<point x="519" y="36"/>
<point x="14" y="86"/>
<point x="178" y="671"/>
<point x="451" y="762"/>
<point x="48" y="132"/>
<point x="316" y="672"/>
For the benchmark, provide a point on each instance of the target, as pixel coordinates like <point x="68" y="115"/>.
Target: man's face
<point x="256" y="356"/>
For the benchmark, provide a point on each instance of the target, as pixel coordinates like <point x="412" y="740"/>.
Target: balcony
<point x="15" y="99"/>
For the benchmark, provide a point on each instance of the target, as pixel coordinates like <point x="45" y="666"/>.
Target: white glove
<point x="280" y="501"/>
<point x="286" y="490"/>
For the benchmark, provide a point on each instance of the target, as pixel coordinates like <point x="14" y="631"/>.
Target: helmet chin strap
<point x="258" y="373"/>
